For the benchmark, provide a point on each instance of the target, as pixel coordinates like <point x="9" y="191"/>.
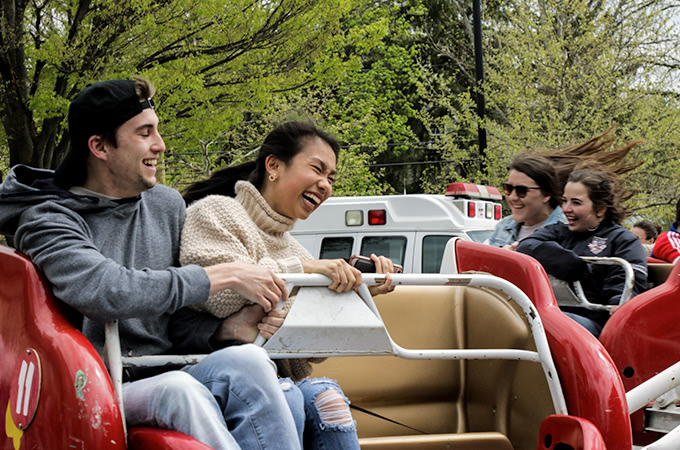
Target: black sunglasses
<point x="521" y="190"/>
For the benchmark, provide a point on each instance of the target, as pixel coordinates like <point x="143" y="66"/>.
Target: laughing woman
<point x="533" y="194"/>
<point x="232" y="219"/>
<point x="592" y="204"/>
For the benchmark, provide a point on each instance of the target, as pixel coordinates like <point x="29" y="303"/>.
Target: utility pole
<point x="479" y="77"/>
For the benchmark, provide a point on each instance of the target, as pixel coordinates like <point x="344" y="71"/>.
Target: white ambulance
<point x="412" y="230"/>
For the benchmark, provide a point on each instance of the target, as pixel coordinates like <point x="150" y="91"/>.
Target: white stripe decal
<point x="674" y="239"/>
<point x="29" y="383"/>
<point x="639" y="268"/>
<point x="22" y="380"/>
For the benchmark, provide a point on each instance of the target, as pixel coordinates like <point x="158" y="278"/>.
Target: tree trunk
<point x="17" y="118"/>
<point x="18" y="128"/>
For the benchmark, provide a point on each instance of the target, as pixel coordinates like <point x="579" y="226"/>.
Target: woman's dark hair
<point x="651" y="229"/>
<point x="598" y="151"/>
<point x="283" y="142"/>
<point x="603" y="191"/>
<point x="541" y="170"/>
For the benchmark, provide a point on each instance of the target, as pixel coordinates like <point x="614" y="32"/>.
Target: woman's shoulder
<point x="557" y="216"/>
<point x="619" y="232"/>
<point x="622" y="241"/>
<point x="217" y="208"/>
<point x="562" y="226"/>
<point x="505" y="232"/>
<point x="555" y="231"/>
<point x="213" y="203"/>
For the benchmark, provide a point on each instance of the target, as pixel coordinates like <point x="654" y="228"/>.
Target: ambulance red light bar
<point x="469" y="190"/>
<point x="377" y="217"/>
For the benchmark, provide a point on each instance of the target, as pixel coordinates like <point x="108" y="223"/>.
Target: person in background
<point x="667" y="245"/>
<point x="249" y="220"/>
<point x="647" y="231"/>
<point x="541" y="176"/>
<point x="533" y="194"/>
<point x="593" y="205"/>
<point x="106" y="235"/>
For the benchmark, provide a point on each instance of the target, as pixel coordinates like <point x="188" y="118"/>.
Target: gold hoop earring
<point x="272" y="178"/>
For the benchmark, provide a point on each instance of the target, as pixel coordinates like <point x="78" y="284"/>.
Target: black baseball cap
<point x="100" y="107"/>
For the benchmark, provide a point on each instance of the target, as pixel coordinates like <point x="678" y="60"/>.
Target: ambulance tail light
<point x="471" y="209"/>
<point x="377" y="217"/>
<point x="497" y="212"/>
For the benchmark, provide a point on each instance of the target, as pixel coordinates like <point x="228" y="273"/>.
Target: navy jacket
<point x="559" y="251"/>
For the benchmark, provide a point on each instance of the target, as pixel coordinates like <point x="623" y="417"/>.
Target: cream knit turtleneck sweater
<point x="220" y="229"/>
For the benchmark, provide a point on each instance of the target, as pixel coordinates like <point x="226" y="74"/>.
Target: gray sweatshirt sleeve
<point x="57" y="240"/>
<point x="191" y="331"/>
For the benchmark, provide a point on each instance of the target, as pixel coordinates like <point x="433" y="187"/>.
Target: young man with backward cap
<point x="107" y="237"/>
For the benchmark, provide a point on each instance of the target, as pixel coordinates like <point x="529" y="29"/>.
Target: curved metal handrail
<point x="542" y="356"/>
<point x="576" y="296"/>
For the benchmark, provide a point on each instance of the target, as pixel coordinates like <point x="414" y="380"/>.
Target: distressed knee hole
<point x="333" y="409"/>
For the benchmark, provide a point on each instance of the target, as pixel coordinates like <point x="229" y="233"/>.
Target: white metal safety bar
<point x="629" y="282"/>
<point x="113" y="354"/>
<point x="567" y="297"/>
<point x="670" y="441"/>
<point x="541" y="356"/>
<point x="641" y="395"/>
<point x="659" y="384"/>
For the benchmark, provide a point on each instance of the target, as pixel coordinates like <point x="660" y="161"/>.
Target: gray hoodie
<point x="107" y="259"/>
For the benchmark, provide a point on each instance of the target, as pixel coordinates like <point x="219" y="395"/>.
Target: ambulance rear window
<point x="391" y="246"/>
<point x="480" y="235"/>
<point x="336" y="247"/>
<point x="433" y="251"/>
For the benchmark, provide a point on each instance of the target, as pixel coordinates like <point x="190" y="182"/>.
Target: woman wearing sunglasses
<point x="532" y="192"/>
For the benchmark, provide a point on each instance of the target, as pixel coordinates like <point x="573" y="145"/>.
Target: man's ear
<point x="97" y="147"/>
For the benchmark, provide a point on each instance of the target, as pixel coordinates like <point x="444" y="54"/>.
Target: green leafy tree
<point x="559" y="72"/>
<point x="209" y="60"/>
<point x="374" y="101"/>
<point x="360" y="87"/>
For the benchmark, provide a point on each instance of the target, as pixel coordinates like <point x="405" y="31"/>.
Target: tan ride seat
<point x="658" y="273"/>
<point x="461" y="404"/>
<point x="466" y="441"/>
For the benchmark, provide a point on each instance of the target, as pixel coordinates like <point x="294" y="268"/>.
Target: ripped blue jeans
<point x="230" y="400"/>
<point x="322" y="415"/>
